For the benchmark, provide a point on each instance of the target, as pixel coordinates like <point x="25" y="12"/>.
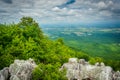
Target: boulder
<point x="21" y="69"/>
<point x="82" y="70"/>
<point x="71" y="67"/>
<point x="4" y="74"/>
<point x="106" y="73"/>
<point x="14" y="77"/>
<point x="116" y="75"/>
<point x="72" y="60"/>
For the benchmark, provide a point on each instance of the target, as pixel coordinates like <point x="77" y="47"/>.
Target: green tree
<point x="6" y="60"/>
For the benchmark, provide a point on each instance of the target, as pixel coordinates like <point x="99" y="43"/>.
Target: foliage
<point x="48" y="72"/>
<point x="6" y="60"/>
<point x="94" y="41"/>
<point x="26" y="40"/>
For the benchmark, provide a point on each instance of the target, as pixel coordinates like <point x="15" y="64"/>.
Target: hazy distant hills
<point x="95" y="41"/>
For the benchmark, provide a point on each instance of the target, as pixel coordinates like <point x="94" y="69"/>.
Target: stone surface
<point x="76" y="70"/>
<point x="116" y="75"/>
<point x="82" y="70"/>
<point x="4" y="74"/>
<point x="19" y="70"/>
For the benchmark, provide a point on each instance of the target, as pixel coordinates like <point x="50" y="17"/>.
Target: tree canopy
<point x="26" y="40"/>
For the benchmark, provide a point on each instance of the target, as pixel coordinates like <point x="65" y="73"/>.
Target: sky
<point x="57" y="11"/>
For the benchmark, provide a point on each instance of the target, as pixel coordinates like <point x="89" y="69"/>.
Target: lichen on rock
<point x="19" y="70"/>
<point x="82" y="70"/>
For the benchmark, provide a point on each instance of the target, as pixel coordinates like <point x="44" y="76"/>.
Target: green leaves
<point x="6" y="60"/>
<point x="48" y="72"/>
<point x="26" y="40"/>
<point x="27" y="21"/>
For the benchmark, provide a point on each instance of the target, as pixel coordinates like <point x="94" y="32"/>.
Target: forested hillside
<point x="26" y="40"/>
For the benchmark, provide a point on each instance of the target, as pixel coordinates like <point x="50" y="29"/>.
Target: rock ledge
<point x="82" y="70"/>
<point x="19" y="70"/>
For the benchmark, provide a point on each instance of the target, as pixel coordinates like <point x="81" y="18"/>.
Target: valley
<point x="101" y="42"/>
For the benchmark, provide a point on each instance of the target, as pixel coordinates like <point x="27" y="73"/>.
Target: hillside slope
<point x="26" y="40"/>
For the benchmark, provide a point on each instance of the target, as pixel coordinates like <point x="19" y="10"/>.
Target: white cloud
<point x="90" y="9"/>
<point x="110" y="3"/>
<point x="102" y="4"/>
<point x="71" y="11"/>
<point x="56" y="9"/>
<point x="50" y="10"/>
<point x="105" y="13"/>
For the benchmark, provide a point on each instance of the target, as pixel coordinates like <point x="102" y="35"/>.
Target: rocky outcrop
<point x="76" y="70"/>
<point x="4" y="74"/>
<point x="116" y="75"/>
<point x="19" y="70"/>
<point x="82" y="70"/>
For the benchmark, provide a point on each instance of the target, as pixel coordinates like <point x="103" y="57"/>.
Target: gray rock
<point x="14" y="77"/>
<point x="4" y="74"/>
<point x="116" y="75"/>
<point x="82" y="70"/>
<point x="21" y="69"/>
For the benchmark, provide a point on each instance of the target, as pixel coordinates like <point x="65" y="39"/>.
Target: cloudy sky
<point x="53" y="11"/>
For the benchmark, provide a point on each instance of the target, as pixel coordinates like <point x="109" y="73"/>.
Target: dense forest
<point x="26" y="40"/>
